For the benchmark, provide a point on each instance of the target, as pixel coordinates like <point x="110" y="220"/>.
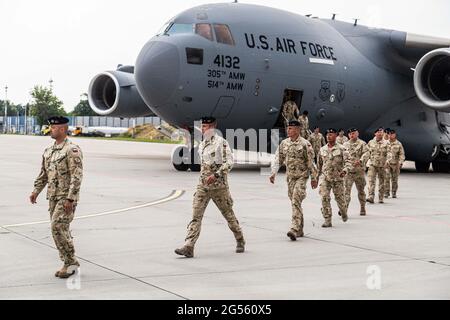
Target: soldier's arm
<point x="402" y="155"/>
<point x="323" y="142"/>
<point x="388" y="156"/>
<point x="311" y="166"/>
<point x="365" y="155"/>
<point x="319" y="165"/>
<point x="347" y="161"/>
<point x="75" y="161"/>
<point x="41" y="180"/>
<point x="278" y="160"/>
<point x="227" y="157"/>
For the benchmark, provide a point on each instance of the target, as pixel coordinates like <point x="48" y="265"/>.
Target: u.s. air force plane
<point x="237" y="62"/>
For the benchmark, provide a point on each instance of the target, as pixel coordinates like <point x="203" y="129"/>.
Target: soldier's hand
<point x="211" y="179"/>
<point x="272" y="179"/>
<point x="314" y="184"/>
<point x="33" y="198"/>
<point x="68" y="206"/>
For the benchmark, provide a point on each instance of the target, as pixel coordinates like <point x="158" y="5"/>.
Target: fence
<point x="28" y="125"/>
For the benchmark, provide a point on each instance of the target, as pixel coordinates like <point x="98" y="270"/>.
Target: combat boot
<point x="327" y="224"/>
<point x="67" y="271"/>
<point x="394" y="195"/>
<point x="381" y="201"/>
<point x="370" y="200"/>
<point x="186" y="251"/>
<point x="240" y="246"/>
<point x="292" y="234"/>
<point x="387" y="195"/>
<point x="363" y="210"/>
<point x="344" y="216"/>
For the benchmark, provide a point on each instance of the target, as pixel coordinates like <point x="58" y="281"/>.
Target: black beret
<point x="315" y="127"/>
<point x="57" y="120"/>
<point x="387" y="130"/>
<point x="305" y="112"/>
<point x="294" y="123"/>
<point x="341" y="130"/>
<point x="208" y="120"/>
<point x="353" y="129"/>
<point x="392" y="131"/>
<point x="331" y="130"/>
<point x="379" y="129"/>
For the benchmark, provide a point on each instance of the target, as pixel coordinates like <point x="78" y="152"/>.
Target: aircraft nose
<point x="157" y="72"/>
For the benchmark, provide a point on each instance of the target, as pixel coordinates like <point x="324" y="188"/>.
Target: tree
<point x="12" y="109"/>
<point x="83" y="108"/>
<point x="45" y="104"/>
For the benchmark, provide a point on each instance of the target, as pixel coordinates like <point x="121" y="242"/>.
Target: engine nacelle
<point x="114" y="93"/>
<point x="432" y="79"/>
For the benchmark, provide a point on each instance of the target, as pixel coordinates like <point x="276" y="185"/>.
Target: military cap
<point x="57" y="120"/>
<point x="293" y="123"/>
<point x="315" y="127"/>
<point x="387" y="130"/>
<point x="341" y="130"/>
<point x="352" y="129"/>
<point x="379" y="129"/>
<point x="208" y="120"/>
<point x="331" y="130"/>
<point x="305" y="112"/>
<point x="392" y="131"/>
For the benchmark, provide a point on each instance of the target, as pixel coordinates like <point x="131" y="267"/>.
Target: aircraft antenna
<point x="356" y="22"/>
<point x="334" y="16"/>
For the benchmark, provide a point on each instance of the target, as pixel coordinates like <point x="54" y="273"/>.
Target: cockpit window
<point x="178" y="28"/>
<point x="223" y="34"/>
<point x="204" y="30"/>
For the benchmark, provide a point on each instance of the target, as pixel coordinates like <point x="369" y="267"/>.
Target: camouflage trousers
<point x="60" y="226"/>
<point x="297" y="193"/>
<point x="373" y="173"/>
<point x="359" y="179"/>
<point x="392" y="174"/>
<point x="338" y="188"/>
<point x="222" y="199"/>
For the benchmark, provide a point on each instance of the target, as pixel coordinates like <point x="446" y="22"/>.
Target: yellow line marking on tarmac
<point x="173" y="196"/>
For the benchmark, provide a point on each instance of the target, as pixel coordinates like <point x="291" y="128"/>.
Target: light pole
<point x="5" y="122"/>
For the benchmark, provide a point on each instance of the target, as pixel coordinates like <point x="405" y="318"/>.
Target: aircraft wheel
<point x="195" y="161"/>
<point x="422" y="167"/>
<point x="180" y="158"/>
<point x="441" y="166"/>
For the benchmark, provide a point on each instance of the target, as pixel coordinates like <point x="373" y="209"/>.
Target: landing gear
<point x="422" y="167"/>
<point x="441" y="166"/>
<point x="184" y="159"/>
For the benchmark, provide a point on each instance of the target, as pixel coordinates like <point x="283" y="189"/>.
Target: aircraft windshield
<point x="178" y="28"/>
<point x="204" y="30"/>
<point x="223" y="34"/>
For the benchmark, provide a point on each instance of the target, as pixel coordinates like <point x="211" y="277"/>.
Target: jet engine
<point x="432" y="79"/>
<point x="114" y="93"/>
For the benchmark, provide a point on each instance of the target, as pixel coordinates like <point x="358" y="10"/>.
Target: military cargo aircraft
<point x="238" y="62"/>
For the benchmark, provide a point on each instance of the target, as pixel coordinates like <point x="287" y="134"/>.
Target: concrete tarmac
<point x="126" y="237"/>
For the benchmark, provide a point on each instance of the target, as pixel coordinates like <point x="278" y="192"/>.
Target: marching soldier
<point x="297" y="154"/>
<point x="216" y="162"/>
<point x="379" y="153"/>
<point x="62" y="172"/>
<point x="317" y="141"/>
<point x="304" y="125"/>
<point x="334" y="164"/>
<point x="395" y="163"/>
<point x="359" y="154"/>
<point x="341" y="139"/>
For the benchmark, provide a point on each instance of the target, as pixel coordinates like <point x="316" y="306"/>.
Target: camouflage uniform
<point x="317" y="141"/>
<point x="62" y="171"/>
<point x="395" y="161"/>
<point x="304" y="123"/>
<point x="378" y="156"/>
<point x="332" y="162"/>
<point x="216" y="159"/>
<point x="341" y="140"/>
<point x="358" y="151"/>
<point x="298" y="157"/>
<point x="290" y="111"/>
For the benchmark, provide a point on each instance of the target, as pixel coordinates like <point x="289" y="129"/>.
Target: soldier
<point x="62" y="171"/>
<point x="341" y="139"/>
<point x="395" y="163"/>
<point x="216" y="162"/>
<point x="290" y="110"/>
<point x="387" y="131"/>
<point x="334" y="164"/>
<point x="304" y="124"/>
<point x="317" y="141"/>
<point x="359" y="154"/>
<point x="379" y="151"/>
<point x="297" y="154"/>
